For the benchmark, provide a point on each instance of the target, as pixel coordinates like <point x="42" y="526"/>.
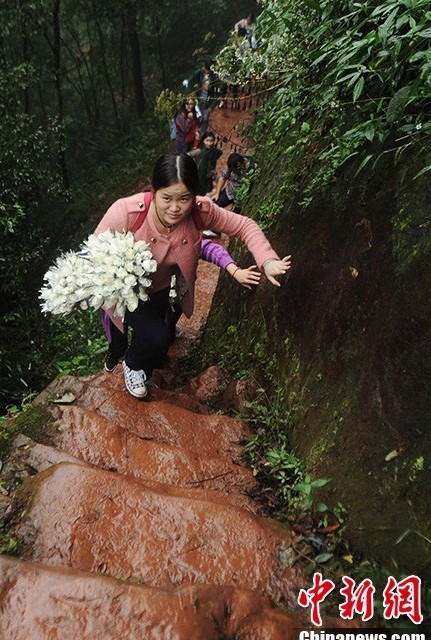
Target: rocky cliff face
<point x="356" y="311"/>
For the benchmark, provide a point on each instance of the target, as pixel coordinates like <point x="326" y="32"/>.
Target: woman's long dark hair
<point x="172" y="168"/>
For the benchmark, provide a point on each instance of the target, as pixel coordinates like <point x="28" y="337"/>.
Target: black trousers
<point x="153" y="331"/>
<point x="223" y="200"/>
<point x="118" y="342"/>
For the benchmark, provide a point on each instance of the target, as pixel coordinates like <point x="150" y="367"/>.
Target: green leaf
<point x="320" y="482"/>
<point x="320" y="58"/>
<point x="350" y="76"/>
<point x="402" y="536"/>
<point x="383" y="34"/>
<point x="391" y="455"/>
<point x="323" y="557"/>
<point x="321" y="507"/>
<point x="363" y="163"/>
<point x="370" y="132"/>
<point x="401" y="22"/>
<point x="397" y="104"/>
<point x="303" y="487"/>
<point x="422" y="171"/>
<point x="419" y="55"/>
<point x="359" y="86"/>
<point x="390" y="20"/>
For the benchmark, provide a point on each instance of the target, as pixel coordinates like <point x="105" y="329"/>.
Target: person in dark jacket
<point x="230" y="181"/>
<point x="187" y="124"/>
<point x="204" y="82"/>
<point x="209" y="153"/>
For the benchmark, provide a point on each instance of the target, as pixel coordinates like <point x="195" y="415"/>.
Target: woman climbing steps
<point x="173" y="228"/>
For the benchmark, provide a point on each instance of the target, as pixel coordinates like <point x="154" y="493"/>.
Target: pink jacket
<point x="185" y="241"/>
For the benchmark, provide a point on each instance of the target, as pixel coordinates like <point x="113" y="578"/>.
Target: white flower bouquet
<point x="111" y="270"/>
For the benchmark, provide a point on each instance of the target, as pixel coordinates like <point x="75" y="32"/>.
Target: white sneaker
<point x="135" y="381"/>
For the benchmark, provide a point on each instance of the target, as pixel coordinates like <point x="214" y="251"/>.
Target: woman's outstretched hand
<point x="247" y="277"/>
<point x="274" y="268"/>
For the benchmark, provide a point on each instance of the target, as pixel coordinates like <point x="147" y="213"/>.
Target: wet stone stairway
<point x="137" y="523"/>
<point x="136" y="520"/>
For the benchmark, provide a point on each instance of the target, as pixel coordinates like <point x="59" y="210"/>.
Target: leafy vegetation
<point x="342" y="80"/>
<point x="272" y="414"/>
<point x="168" y="103"/>
<point x="8" y="542"/>
<point x="77" y="130"/>
<point x="343" y="90"/>
<point x="29" y="360"/>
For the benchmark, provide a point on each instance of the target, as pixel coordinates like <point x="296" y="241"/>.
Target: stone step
<point x="88" y="435"/>
<point x="28" y="457"/>
<point x="98" y="521"/>
<point x="208" y="436"/>
<point x="40" y="603"/>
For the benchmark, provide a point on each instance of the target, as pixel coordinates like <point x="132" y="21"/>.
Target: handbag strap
<point x="148" y="196"/>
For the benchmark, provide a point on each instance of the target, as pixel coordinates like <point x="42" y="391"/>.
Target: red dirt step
<point x="207" y="435"/>
<point x="101" y="522"/>
<point x="97" y="440"/>
<point x="28" y="457"/>
<point x="40" y="603"/>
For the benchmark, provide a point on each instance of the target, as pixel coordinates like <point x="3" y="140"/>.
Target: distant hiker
<point x="204" y="82"/>
<point x="247" y="24"/>
<point x="245" y="44"/>
<point x="230" y="181"/>
<point x="206" y="157"/>
<point x="207" y="160"/>
<point x="187" y="123"/>
<point x="173" y="229"/>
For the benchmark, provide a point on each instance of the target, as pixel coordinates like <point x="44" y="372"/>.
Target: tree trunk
<point x="78" y="85"/>
<point x="160" y="48"/>
<point x="107" y="76"/>
<point x="56" y="49"/>
<point x="90" y="65"/>
<point x="121" y="58"/>
<point x="135" y="50"/>
<point x="85" y="75"/>
<point x="26" y="98"/>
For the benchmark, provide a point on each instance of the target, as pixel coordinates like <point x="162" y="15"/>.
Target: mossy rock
<point x="356" y="311"/>
<point x="33" y="421"/>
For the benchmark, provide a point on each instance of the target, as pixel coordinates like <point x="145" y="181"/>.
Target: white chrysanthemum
<point x="110" y="270"/>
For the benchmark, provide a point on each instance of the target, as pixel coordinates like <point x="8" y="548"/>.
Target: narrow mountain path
<point x="137" y="521"/>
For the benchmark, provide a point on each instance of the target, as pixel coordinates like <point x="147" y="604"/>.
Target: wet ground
<point x="137" y="519"/>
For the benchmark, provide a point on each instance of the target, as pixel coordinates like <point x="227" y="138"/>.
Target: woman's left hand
<point x="247" y="277"/>
<point x="275" y="268"/>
